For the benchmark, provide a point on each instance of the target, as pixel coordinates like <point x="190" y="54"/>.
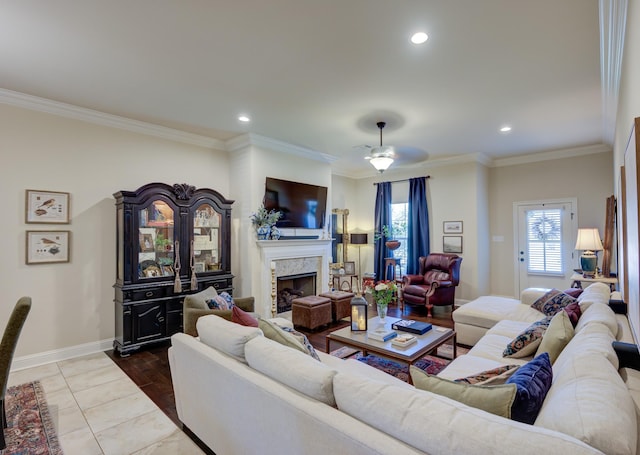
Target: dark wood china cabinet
<point x="172" y="240"/>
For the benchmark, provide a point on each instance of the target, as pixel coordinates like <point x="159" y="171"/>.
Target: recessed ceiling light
<point x="244" y="118"/>
<point x="505" y="129"/>
<point x="419" y="38"/>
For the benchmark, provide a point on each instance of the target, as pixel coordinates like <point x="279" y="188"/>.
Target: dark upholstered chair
<point x="7" y="348"/>
<point x="436" y="281"/>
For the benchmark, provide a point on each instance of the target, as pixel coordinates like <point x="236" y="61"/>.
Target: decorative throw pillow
<point x="241" y="317"/>
<point x="223" y="301"/>
<point x="275" y="333"/>
<point x="199" y="299"/>
<point x="496" y="399"/>
<point x="304" y="340"/>
<point x="540" y="301"/>
<point x="494" y="376"/>
<point x="526" y="343"/>
<point x="555" y="302"/>
<point x="557" y="336"/>
<point x="533" y="381"/>
<point x="573" y="292"/>
<point x="574" y="311"/>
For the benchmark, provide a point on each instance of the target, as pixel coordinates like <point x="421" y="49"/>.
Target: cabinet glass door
<point x="156" y="240"/>
<point x="206" y="239"/>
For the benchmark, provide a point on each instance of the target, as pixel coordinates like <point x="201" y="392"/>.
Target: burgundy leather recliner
<point x="436" y="281"/>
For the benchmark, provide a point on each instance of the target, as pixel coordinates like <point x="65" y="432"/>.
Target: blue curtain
<point x="418" y="228"/>
<point x="382" y="217"/>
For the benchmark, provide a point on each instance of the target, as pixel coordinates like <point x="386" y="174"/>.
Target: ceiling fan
<point x="381" y="157"/>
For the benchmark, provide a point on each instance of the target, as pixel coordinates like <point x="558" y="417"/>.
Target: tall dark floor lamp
<point x="359" y="239"/>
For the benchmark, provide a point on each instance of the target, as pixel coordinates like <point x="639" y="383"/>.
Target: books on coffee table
<point x="411" y="326"/>
<point x="404" y="340"/>
<point x="381" y="334"/>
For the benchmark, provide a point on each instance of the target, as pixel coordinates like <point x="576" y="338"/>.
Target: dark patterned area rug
<point x="432" y="364"/>
<point x="30" y="430"/>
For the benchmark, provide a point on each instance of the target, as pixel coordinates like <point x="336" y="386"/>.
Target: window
<point x="544" y="240"/>
<point x="399" y="223"/>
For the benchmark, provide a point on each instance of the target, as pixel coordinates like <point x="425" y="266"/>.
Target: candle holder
<point x="359" y="318"/>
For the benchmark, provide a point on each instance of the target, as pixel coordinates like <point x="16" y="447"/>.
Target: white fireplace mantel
<point x="276" y="250"/>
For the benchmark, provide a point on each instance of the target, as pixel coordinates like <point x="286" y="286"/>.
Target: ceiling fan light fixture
<point x="381" y="157"/>
<point x="381" y="163"/>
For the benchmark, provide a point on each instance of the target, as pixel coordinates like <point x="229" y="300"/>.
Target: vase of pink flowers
<point x="383" y="293"/>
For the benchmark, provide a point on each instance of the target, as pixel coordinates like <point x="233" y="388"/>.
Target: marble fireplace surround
<point x="291" y="257"/>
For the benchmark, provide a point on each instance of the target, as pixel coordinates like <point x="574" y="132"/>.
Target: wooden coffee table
<point x="426" y="343"/>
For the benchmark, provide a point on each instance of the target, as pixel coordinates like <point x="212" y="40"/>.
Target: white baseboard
<point x="56" y="355"/>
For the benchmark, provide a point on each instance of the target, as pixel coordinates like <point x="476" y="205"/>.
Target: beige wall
<point x="628" y="109"/>
<point x="73" y="302"/>
<point x="587" y="178"/>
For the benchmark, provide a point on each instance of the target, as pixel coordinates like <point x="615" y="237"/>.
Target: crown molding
<point x="71" y="111"/>
<point x="552" y="155"/>
<point x="257" y="140"/>
<point x="613" y="19"/>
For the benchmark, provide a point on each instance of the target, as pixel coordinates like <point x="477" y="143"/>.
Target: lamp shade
<point x="589" y="240"/>
<point x="381" y="163"/>
<point x="359" y="239"/>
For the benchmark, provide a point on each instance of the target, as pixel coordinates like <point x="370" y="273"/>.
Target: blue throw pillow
<point x="533" y="381"/>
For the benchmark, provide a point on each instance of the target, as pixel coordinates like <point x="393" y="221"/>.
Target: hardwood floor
<point x="149" y="368"/>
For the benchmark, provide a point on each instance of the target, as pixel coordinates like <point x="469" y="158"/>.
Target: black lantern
<point x="358" y="314"/>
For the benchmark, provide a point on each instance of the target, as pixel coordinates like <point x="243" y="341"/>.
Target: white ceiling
<point x="320" y="73"/>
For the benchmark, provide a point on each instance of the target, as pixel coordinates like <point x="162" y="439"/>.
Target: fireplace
<point x="291" y="287"/>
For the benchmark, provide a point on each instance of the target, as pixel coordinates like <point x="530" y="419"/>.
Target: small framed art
<point x="452" y="243"/>
<point x="44" y="207"/>
<point x="452" y="227"/>
<point x="349" y="268"/>
<point x="45" y="247"/>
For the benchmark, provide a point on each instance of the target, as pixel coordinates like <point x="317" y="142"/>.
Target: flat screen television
<point x="302" y="205"/>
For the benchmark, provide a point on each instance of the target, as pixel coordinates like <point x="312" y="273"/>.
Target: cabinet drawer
<point x="146" y="294"/>
<point x="218" y="285"/>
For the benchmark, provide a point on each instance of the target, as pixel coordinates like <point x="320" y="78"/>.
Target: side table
<point x="577" y="279"/>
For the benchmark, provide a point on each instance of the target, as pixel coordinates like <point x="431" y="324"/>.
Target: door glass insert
<point x="156" y="240"/>
<point x="206" y="239"/>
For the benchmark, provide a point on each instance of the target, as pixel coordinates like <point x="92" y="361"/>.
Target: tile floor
<point x="98" y="410"/>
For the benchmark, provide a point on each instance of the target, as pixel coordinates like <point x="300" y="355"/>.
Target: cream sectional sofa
<point x="240" y="392"/>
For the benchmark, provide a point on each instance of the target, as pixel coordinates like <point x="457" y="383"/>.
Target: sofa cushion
<point x="292" y="368"/>
<point x="302" y="338"/>
<point x="589" y="401"/>
<point x="222" y="301"/>
<point x="557" y="336"/>
<point x="573" y="292"/>
<point x="276" y="333"/>
<point x="598" y="313"/>
<point x="533" y="381"/>
<point x="487" y="310"/>
<point x="594" y="293"/>
<point x="494" y="399"/>
<point x="225" y="336"/>
<point x="552" y="302"/>
<point x="199" y="299"/>
<point x="527" y="342"/>
<point x="432" y="423"/>
<point x="242" y="317"/>
<point x="494" y="376"/>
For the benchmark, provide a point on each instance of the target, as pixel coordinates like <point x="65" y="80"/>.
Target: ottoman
<point x="340" y="303"/>
<point x="311" y="311"/>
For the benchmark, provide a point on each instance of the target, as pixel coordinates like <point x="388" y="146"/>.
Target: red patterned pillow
<point x="574" y="312"/>
<point x="242" y="317"/>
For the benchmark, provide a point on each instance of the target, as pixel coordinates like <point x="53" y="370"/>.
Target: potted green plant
<point x="385" y="233"/>
<point x="264" y="221"/>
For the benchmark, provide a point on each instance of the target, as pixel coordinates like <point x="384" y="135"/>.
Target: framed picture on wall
<point x="452" y="227"/>
<point x="452" y="243"/>
<point x="349" y="268"/>
<point x="45" y="247"/>
<point x="47" y="207"/>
